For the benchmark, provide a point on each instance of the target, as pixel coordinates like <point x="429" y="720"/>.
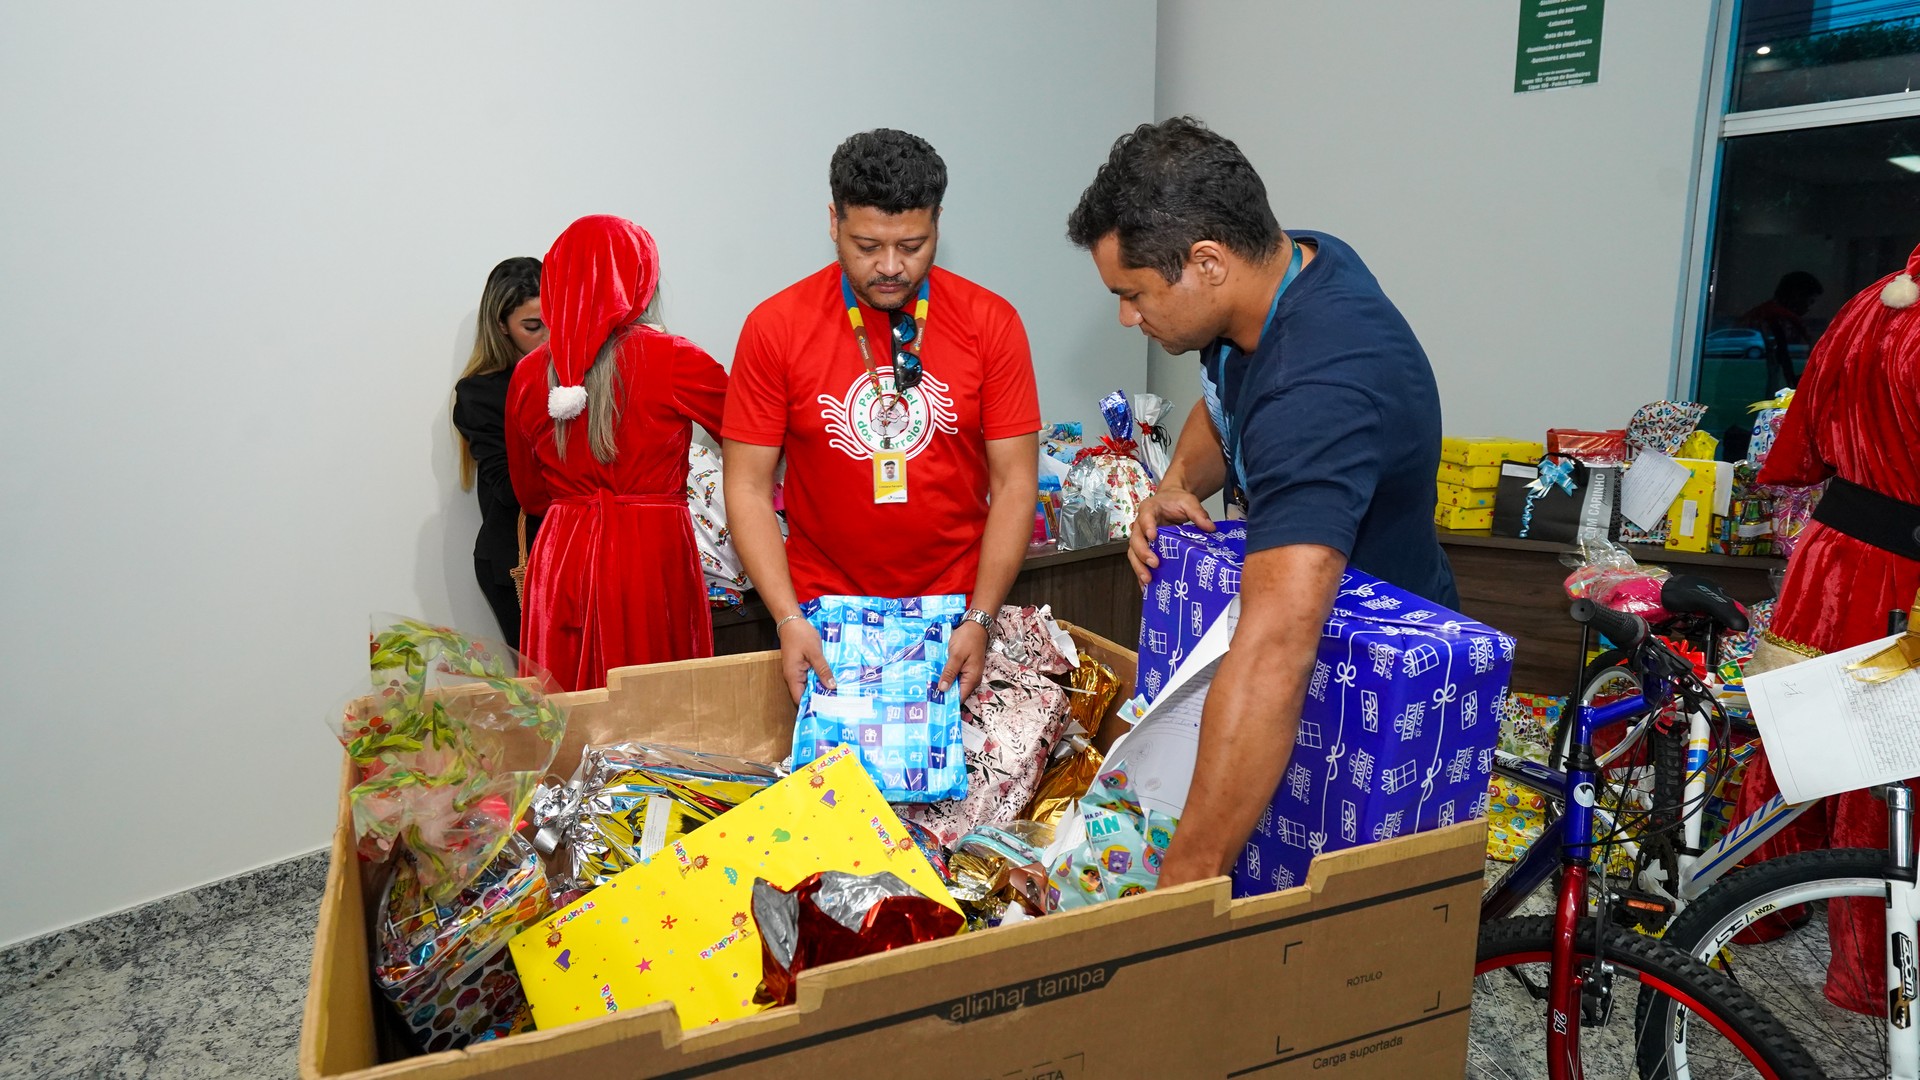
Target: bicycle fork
<point x="1566" y="981"/>
<point x="1903" y="917"/>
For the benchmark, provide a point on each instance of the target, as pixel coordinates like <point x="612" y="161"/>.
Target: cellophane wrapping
<point x="446" y="751"/>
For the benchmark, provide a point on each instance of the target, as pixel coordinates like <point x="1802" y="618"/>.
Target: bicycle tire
<point x="1847" y="1044"/>
<point x="1750" y="1032"/>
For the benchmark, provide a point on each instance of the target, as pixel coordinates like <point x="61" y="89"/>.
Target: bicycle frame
<point x="1741" y="840"/>
<point x="1697" y="873"/>
<point x="1570" y="838"/>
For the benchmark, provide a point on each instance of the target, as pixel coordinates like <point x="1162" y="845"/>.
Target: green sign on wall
<point x="1559" y="44"/>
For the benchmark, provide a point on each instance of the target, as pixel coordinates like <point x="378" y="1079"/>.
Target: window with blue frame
<point x="1818" y="189"/>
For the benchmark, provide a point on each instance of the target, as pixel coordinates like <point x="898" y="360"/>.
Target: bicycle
<point x="1656" y="763"/>
<point x="1697" y="1018"/>
<point x="1848" y="1043"/>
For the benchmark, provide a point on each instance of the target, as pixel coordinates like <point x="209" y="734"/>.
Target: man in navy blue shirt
<point x="1319" y="417"/>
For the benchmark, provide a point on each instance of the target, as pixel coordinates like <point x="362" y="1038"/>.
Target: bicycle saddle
<point x="1685" y="594"/>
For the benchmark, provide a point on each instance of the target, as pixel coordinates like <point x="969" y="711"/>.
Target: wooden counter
<point x="1093" y="588"/>
<point x="1518" y="586"/>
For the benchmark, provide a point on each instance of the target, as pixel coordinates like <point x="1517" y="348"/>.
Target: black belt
<point x="1871" y="518"/>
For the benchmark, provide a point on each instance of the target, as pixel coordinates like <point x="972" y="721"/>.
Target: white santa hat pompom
<point x="1901" y="292"/>
<point x="566" y="402"/>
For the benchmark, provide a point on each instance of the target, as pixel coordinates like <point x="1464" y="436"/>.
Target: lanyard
<point x="1230" y="401"/>
<point x="860" y="327"/>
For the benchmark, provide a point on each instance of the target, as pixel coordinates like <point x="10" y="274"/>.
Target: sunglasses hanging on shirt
<point x="909" y="339"/>
<point x="906" y="354"/>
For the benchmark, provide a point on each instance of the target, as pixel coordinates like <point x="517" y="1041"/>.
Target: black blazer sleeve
<point x="480" y="413"/>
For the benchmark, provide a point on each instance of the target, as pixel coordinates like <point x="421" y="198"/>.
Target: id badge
<point x="889" y="476"/>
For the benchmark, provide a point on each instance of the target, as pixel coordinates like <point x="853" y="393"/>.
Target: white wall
<point x="1534" y="241"/>
<point x="243" y="244"/>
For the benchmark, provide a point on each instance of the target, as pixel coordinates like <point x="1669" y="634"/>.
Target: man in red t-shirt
<point x="910" y="462"/>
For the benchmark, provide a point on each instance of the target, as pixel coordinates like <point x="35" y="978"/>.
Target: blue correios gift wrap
<point x="1397" y="734"/>
<point x="1198" y="576"/>
<point x="1401" y="716"/>
<point x="886" y="657"/>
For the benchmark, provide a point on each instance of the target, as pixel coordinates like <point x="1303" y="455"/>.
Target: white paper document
<point x="1826" y="731"/>
<point x="1159" y="753"/>
<point x="1723" y="487"/>
<point x="1650" y="487"/>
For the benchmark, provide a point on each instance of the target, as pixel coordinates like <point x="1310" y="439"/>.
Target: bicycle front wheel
<point x="1788" y="975"/>
<point x="1724" y="1033"/>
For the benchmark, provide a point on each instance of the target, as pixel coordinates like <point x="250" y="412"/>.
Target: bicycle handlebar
<point x="1627" y="632"/>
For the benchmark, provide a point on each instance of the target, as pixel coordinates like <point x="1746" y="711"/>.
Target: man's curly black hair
<point x="1167" y="186"/>
<point x="889" y="170"/>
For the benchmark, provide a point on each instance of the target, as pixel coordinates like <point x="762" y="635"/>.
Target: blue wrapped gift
<point x="1198" y="575"/>
<point x="886" y="657"/>
<point x="1397" y="734"/>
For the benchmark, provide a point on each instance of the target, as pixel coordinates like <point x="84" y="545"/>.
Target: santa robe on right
<point x="1855" y="418"/>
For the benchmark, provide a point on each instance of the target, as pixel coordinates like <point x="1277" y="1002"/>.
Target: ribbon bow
<point x="1784" y="399"/>
<point x="1902" y="656"/>
<point x="1553" y="473"/>
<point x="1108" y="446"/>
<point x="1156" y="433"/>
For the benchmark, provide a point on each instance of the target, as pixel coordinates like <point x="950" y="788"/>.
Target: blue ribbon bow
<point x="1553" y="473"/>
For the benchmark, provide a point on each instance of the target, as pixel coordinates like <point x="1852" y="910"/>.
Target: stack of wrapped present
<point x="1469" y="477"/>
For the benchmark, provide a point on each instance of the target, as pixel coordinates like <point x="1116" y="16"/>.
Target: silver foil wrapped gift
<point x="629" y="800"/>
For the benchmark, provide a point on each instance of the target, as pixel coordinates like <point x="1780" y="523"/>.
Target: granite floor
<point x="211" y="984"/>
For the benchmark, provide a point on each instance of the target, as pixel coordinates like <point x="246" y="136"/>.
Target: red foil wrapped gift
<point x="833" y="916"/>
<point x="1589" y="447"/>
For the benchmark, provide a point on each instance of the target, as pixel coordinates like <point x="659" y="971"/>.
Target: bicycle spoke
<point x="1788" y="977"/>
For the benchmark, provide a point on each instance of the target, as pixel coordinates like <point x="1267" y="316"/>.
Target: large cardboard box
<point x="1363" y="972"/>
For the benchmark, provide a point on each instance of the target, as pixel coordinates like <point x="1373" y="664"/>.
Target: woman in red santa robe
<point x="1854" y="421"/>
<point x="598" y="422"/>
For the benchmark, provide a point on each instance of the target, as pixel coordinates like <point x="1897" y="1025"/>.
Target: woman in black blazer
<point x="509" y="328"/>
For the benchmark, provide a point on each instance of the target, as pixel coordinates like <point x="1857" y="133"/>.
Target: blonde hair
<point x="605" y="391"/>
<point x="604" y="386"/>
<point x="512" y="283"/>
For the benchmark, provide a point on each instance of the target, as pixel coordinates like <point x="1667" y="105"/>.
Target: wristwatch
<point x="975" y="615"/>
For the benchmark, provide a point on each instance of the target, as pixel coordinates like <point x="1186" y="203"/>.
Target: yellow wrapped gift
<point x="1469" y="476"/>
<point x="1708" y="490"/>
<point x="1699" y="445"/>
<point x="1461" y="518"/>
<point x="679" y="927"/>
<point x="1516" y="815"/>
<point x="1467" y="498"/>
<point x="1472" y="450"/>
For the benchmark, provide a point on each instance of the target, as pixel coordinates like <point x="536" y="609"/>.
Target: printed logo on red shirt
<point x="855" y="425"/>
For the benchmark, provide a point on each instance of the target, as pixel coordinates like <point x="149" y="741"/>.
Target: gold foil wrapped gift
<point x="1065" y="782"/>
